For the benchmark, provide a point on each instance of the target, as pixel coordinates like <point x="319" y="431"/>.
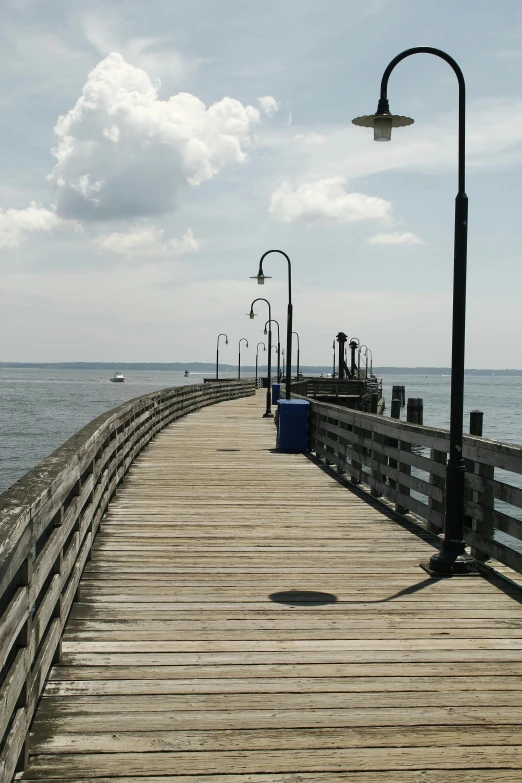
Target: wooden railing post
<point x="439" y="458"/>
<point x="484" y="499"/>
<point x="395" y="413"/>
<point x="356" y="465"/>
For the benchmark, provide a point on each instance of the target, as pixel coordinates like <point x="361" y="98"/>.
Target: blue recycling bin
<point x="293" y="426"/>
<point x="276" y="393"/>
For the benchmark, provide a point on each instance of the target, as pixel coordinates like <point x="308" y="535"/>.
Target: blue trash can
<point x="276" y="393"/>
<point x="293" y="426"/>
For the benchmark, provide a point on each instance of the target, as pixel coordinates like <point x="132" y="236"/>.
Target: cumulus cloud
<point x="395" y="238"/>
<point x="269" y="105"/>
<point x="326" y="199"/>
<point x="16" y="224"/>
<point x="146" y="241"/>
<point x="123" y="153"/>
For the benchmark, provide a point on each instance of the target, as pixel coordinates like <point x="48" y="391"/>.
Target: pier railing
<point x="48" y="521"/>
<point x="405" y="463"/>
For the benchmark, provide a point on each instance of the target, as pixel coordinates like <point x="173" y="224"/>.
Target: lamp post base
<point x="268" y="415"/>
<point x="452" y="560"/>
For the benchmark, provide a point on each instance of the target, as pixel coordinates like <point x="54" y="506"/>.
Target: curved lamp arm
<point x="241" y="340"/>
<point x="261" y="277"/>
<point x="383" y="106"/>
<point x="273" y="321"/>
<point x="385" y="121"/>
<point x="261" y="299"/>
<point x="222" y="335"/>
<point x="261" y="343"/>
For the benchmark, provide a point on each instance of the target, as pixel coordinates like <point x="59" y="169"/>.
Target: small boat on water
<point x="118" y="377"/>
<point x="187" y="373"/>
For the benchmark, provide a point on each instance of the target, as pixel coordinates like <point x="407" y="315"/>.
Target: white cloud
<point x="16" y="224"/>
<point x="269" y="105"/>
<point x="146" y="241"/>
<point x="154" y="54"/>
<point x="327" y="199"/>
<point x="124" y="153"/>
<point x="395" y="238"/>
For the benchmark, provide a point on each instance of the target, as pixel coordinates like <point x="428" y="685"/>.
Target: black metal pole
<point x="333" y="366"/>
<point x="298" y="341"/>
<point x="273" y="320"/>
<point x="239" y="359"/>
<point x="341" y="339"/>
<point x="217" y="353"/>
<point x="289" y="318"/>
<point x="452" y="559"/>
<point x="268" y="413"/>
<point x="353" y="348"/>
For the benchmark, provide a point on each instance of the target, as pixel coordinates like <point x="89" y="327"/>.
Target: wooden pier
<point x="246" y="617"/>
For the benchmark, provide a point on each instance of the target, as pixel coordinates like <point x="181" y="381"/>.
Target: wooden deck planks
<point x="177" y="666"/>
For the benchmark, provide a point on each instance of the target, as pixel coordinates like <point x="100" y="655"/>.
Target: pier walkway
<point x="181" y="663"/>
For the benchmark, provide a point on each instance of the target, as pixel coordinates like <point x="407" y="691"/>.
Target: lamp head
<point x="226" y="341"/>
<point x="260" y="277"/>
<point x="251" y="315"/>
<point x="382" y="121"/>
<point x="265" y="332"/>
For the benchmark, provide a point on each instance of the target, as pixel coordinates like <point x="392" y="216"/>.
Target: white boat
<point x="118" y="377"/>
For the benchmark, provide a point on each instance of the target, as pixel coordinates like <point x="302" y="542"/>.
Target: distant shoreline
<point x="210" y="368"/>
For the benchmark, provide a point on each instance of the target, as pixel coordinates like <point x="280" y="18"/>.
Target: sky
<point x="151" y="152"/>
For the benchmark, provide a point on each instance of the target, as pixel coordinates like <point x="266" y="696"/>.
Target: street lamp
<point x="257" y="356"/>
<point x="453" y="558"/>
<point x="371" y="360"/>
<point x="333" y="365"/>
<point x="268" y="413"/>
<point x="239" y="359"/>
<point x="273" y="320"/>
<point x="260" y="277"/>
<point x="297" y="368"/>
<point x="283" y="354"/>
<point x="365" y="357"/>
<point x="217" y="353"/>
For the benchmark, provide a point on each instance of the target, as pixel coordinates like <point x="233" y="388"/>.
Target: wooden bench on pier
<point x="183" y="603"/>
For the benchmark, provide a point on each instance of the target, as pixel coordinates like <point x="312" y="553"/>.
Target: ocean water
<point x="40" y="409"/>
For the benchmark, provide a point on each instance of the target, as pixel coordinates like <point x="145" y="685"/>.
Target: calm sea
<point x="40" y="409"/>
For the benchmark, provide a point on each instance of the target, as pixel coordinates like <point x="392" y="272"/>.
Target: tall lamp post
<point x="268" y="412"/>
<point x="297" y="367"/>
<point x="239" y="358"/>
<point x="367" y="351"/>
<point x="260" y="277"/>
<point x="365" y="359"/>
<point x="283" y="354"/>
<point x="453" y="558"/>
<point x="217" y="353"/>
<point x="257" y="356"/>
<point x="333" y="365"/>
<point x="273" y="320"/>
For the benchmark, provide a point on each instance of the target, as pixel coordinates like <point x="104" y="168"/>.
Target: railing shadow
<point x="382" y="508"/>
